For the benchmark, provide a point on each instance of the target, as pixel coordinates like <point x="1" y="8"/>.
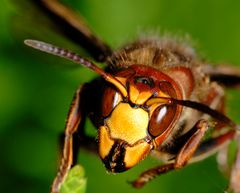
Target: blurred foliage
<point x="36" y="89"/>
<point x="75" y="182"/>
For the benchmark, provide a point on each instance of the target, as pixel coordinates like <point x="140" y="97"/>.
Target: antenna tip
<point x="26" y="41"/>
<point x="45" y="47"/>
<point x="32" y="43"/>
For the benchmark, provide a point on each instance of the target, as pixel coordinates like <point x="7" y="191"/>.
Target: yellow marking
<point x="158" y="101"/>
<point x="123" y="80"/>
<point x="152" y="108"/>
<point x="137" y="97"/>
<point x="136" y="153"/>
<point x="133" y="93"/>
<point x="118" y="84"/>
<point x="105" y="143"/>
<point x="127" y="123"/>
<point x="143" y="97"/>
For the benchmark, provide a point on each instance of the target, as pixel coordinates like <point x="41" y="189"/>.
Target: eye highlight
<point x="111" y="99"/>
<point x="161" y="119"/>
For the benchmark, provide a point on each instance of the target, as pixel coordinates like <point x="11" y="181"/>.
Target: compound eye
<point x="167" y="88"/>
<point x="111" y="98"/>
<point x="161" y="119"/>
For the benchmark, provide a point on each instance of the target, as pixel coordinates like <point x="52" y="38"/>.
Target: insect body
<point x="155" y="95"/>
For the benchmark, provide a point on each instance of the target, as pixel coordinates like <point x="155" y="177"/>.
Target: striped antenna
<point x="64" y="53"/>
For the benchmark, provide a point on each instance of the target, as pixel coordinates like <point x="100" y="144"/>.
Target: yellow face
<point x="122" y="140"/>
<point x="132" y="123"/>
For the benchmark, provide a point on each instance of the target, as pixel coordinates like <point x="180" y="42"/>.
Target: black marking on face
<point x="114" y="161"/>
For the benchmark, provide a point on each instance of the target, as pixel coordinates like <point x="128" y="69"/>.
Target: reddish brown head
<point x="140" y="121"/>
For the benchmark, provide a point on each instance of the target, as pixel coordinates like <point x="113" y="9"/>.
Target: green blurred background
<point x="36" y="89"/>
